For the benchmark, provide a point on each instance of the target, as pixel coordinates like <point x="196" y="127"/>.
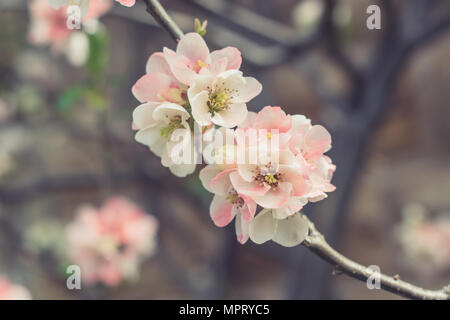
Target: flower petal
<point x="143" y="115"/>
<point x="273" y="118"/>
<point x="193" y="46"/>
<point x="233" y="56"/>
<point x="247" y="188"/>
<point x="291" y="231"/>
<point x="275" y="198"/>
<point x="207" y="174"/>
<point x="221" y="184"/>
<point x="147" y="87"/>
<point x="221" y="211"/>
<point x="251" y="89"/>
<point x="158" y="63"/>
<point x="317" y="141"/>
<point x="263" y="227"/>
<point x="231" y="117"/>
<point x="200" y="110"/>
<point x="242" y="229"/>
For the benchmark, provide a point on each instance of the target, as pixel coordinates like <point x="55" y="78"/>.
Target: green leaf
<point x="96" y="99"/>
<point x="199" y="27"/>
<point x="98" y="53"/>
<point x="70" y="97"/>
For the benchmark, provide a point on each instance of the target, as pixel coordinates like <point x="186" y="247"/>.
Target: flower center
<point x="174" y="123"/>
<point x="234" y="198"/>
<point x="267" y="176"/>
<point x="218" y="101"/>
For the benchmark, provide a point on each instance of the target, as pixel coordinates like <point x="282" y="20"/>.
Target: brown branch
<point x="316" y="242"/>
<point x="159" y="13"/>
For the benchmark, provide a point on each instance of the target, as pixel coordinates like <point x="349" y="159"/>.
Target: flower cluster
<point x="11" y="291"/>
<point x="193" y="88"/>
<point x="187" y="88"/>
<point x="50" y="21"/>
<point x="291" y="173"/>
<point x="108" y="244"/>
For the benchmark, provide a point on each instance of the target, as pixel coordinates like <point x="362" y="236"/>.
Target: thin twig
<point x="159" y="13"/>
<point x="316" y="242"/>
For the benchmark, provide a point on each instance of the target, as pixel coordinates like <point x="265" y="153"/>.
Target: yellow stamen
<point x="201" y="64"/>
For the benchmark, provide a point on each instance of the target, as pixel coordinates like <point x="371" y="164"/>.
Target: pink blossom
<point x="221" y="99"/>
<point x="109" y="243"/>
<point x="192" y="57"/>
<point x="127" y="3"/>
<point x="49" y="24"/>
<point x="10" y="291"/>
<point x="177" y="82"/>
<point x="281" y="177"/>
<point x="227" y="202"/>
<point x="425" y="242"/>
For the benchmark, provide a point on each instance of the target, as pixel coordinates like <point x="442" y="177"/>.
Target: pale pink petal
<point x="158" y="63"/>
<point x="180" y="66"/>
<point x="251" y="89"/>
<point x="293" y="205"/>
<point x="146" y="89"/>
<point x="291" y="231"/>
<point x="231" y="117"/>
<point x="242" y="229"/>
<point x="193" y="46"/>
<point x="232" y="55"/>
<point x="167" y="111"/>
<point x="275" y="198"/>
<point x="263" y="227"/>
<point x="149" y="135"/>
<point x="300" y="185"/>
<point x="127" y="3"/>
<point x="273" y="118"/>
<point x="221" y="211"/>
<point x="221" y="184"/>
<point x="317" y="140"/>
<point x="250" y="189"/>
<point x="300" y="124"/>
<point x="200" y="110"/>
<point x="247" y="171"/>
<point x="207" y="174"/>
<point x="143" y="115"/>
<point x="248" y="212"/>
<point x="249" y="120"/>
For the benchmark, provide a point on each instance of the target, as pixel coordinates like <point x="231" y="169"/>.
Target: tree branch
<point x="316" y="242"/>
<point x="159" y="13"/>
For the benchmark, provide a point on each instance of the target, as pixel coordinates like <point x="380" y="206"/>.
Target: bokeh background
<point x="383" y="94"/>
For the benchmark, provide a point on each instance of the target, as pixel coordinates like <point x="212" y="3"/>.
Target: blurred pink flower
<point x="425" y="243"/>
<point x="127" y="3"/>
<point x="10" y="291"/>
<point x="49" y="25"/>
<point x="108" y="244"/>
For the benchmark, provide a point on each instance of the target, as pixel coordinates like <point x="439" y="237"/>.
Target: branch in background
<point x="315" y="241"/>
<point x="159" y="13"/>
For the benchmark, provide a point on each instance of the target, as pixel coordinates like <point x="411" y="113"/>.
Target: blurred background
<point x="66" y="140"/>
